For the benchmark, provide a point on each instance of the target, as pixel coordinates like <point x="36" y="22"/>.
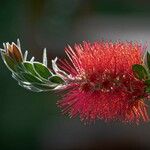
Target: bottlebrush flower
<point x="101" y="80"/>
<point x="104" y="85"/>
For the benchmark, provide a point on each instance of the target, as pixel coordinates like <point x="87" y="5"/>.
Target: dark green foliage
<point x="56" y="79"/>
<point x="139" y="72"/>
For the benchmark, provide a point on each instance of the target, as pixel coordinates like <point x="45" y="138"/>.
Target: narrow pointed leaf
<point x="139" y="72"/>
<point x="17" y="53"/>
<point x="42" y="70"/>
<point x="32" y="59"/>
<point x="44" y="57"/>
<point x="56" y="79"/>
<point x="25" y="56"/>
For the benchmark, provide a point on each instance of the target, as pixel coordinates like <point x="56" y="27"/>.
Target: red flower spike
<point x="103" y="85"/>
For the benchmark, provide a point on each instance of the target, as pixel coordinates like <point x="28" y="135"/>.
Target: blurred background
<point x="31" y="121"/>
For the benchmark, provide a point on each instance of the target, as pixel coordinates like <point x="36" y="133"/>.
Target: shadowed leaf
<point x="147" y="89"/>
<point x="56" y="79"/>
<point x="18" y="77"/>
<point x="29" y="87"/>
<point x="30" y="78"/>
<point x="9" y="62"/>
<point x="42" y="86"/>
<point x="139" y="72"/>
<point x="147" y="82"/>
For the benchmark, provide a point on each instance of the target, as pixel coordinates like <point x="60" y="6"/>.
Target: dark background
<point x="31" y="121"/>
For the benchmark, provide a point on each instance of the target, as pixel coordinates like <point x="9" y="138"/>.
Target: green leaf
<point x="42" y="70"/>
<point x="18" y="77"/>
<point x="139" y="72"/>
<point x="29" y="87"/>
<point x="147" y="89"/>
<point x="42" y="86"/>
<point x="147" y="82"/>
<point x="30" y="78"/>
<point x="36" y="87"/>
<point x="9" y="62"/>
<point x="29" y="68"/>
<point x="56" y="79"/>
<point x="148" y="60"/>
